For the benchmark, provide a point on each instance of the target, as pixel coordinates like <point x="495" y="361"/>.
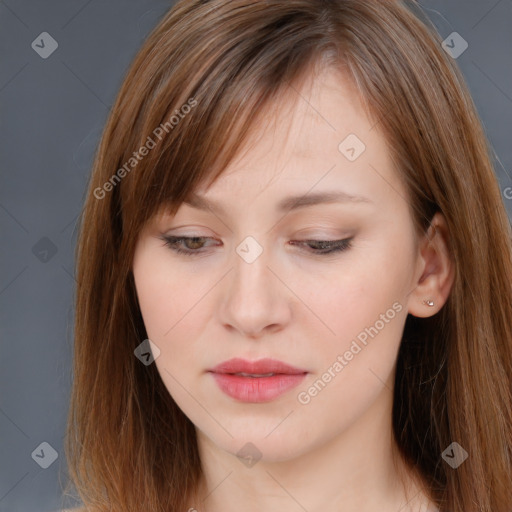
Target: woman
<point x="294" y="273"/>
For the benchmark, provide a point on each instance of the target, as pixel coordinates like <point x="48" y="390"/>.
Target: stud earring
<point x="429" y="303"/>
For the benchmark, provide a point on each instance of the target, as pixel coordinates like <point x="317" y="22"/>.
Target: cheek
<point x="167" y="298"/>
<point x="169" y="305"/>
<point x="175" y="310"/>
<point x="356" y="367"/>
<point x="352" y="297"/>
<point x="363" y="314"/>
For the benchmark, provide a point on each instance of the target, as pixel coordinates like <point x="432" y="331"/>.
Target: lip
<point x="256" y="389"/>
<point x="261" y="366"/>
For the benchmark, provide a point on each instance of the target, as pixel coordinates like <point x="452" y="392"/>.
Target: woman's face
<point x="257" y="283"/>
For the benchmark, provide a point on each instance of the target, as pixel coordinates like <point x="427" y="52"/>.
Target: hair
<point x="129" y="446"/>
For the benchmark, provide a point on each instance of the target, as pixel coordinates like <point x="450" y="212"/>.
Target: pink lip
<point x="256" y="389"/>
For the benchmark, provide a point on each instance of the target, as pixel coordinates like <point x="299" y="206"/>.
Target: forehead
<point x="315" y="136"/>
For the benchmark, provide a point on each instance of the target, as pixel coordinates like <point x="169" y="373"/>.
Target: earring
<point x="428" y="302"/>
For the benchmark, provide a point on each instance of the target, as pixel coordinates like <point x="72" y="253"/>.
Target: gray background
<point x="53" y="111"/>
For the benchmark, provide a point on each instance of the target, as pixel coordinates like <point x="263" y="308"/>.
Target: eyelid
<point x="330" y="246"/>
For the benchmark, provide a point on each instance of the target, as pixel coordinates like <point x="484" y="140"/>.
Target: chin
<point x="261" y="443"/>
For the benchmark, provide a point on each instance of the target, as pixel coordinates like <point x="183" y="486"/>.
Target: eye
<point x="194" y="245"/>
<point x="322" y="247"/>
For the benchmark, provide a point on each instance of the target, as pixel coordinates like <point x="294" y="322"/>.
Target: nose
<point x="254" y="301"/>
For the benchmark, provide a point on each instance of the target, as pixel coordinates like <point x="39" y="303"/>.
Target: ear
<point x="435" y="270"/>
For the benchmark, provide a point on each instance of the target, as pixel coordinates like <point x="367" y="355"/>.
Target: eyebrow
<point x="286" y="204"/>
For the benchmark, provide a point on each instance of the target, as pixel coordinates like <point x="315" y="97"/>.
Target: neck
<point x="357" y="470"/>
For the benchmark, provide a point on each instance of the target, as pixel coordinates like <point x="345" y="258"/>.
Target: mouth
<point x="256" y="381"/>
<point x="261" y="368"/>
<point x="242" y="374"/>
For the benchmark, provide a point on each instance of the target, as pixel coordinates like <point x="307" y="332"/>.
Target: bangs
<point x="198" y="110"/>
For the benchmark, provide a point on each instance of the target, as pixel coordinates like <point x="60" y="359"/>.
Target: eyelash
<point x="336" y="245"/>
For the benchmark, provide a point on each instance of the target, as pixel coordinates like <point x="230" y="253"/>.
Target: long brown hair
<point x="196" y="87"/>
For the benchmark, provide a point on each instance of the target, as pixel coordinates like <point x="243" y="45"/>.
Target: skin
<point x="336" y="452"/>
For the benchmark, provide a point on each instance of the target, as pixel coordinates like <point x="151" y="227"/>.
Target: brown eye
<point x="188" y="245"/>
<point x="194" y="243"/>
<point x="321" y="247"/>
